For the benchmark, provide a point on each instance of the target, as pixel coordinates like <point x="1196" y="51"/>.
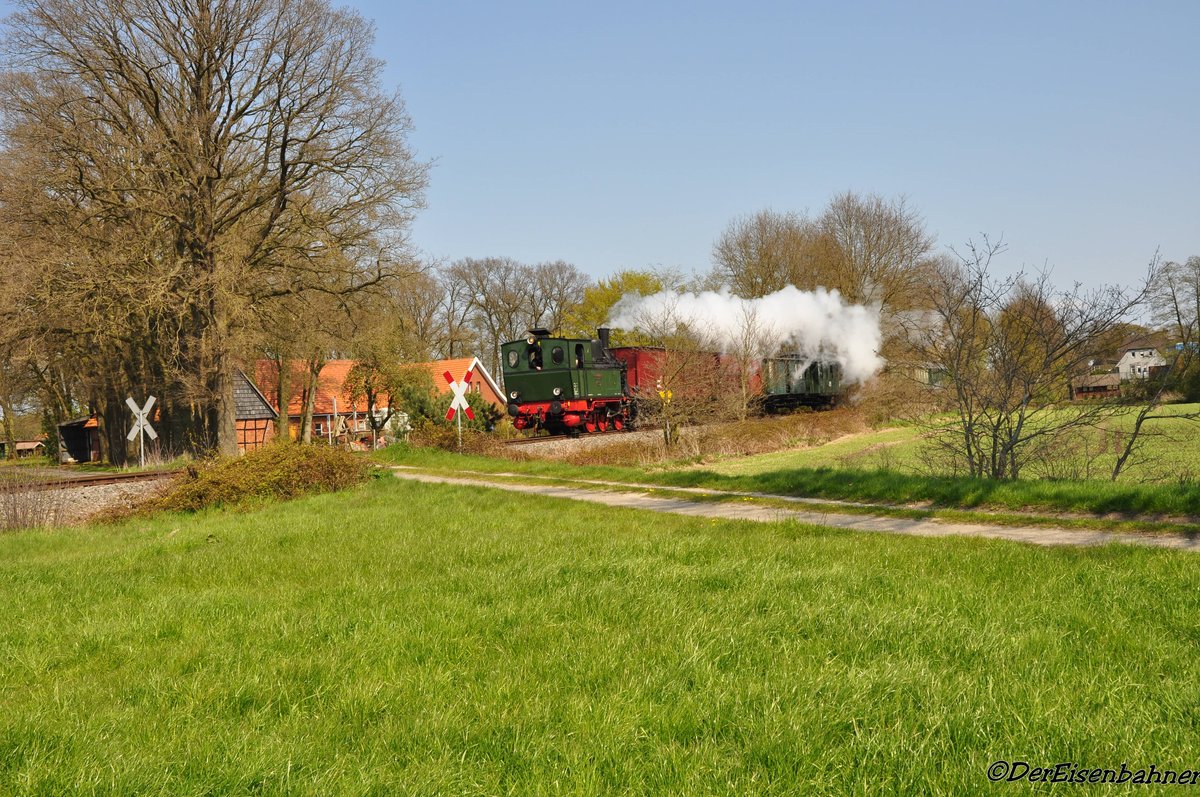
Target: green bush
<point x="281" y="471"/>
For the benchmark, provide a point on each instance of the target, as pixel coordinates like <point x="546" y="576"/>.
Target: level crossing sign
<point x="459" y="389"/>
<point x="141" y="426"/>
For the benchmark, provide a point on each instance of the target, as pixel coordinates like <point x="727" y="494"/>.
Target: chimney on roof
<point x="602" y="335"/>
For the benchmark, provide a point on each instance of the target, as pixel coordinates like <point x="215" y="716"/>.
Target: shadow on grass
<point x="896" y="488"/>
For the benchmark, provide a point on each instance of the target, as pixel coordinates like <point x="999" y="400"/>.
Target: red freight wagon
<point x="644" y="368"/>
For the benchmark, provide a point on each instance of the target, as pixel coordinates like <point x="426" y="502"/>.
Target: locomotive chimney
<point x="602" y="334"/>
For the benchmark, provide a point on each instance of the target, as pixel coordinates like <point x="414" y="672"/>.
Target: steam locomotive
<point x="574" y="385"/>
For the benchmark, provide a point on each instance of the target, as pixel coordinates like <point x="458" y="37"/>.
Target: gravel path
<point x="733" y="510"/>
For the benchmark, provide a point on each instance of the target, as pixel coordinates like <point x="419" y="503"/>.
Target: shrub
<point x="280" y="471"/>
<point x="25" y="503"/>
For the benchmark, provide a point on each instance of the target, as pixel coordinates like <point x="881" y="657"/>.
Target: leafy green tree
<point x="593" y="310"/>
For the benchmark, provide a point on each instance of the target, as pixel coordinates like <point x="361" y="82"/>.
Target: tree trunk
<point x="283" y="395"/>
<point x="227" y="444"/>
<point x="10" y="438"/>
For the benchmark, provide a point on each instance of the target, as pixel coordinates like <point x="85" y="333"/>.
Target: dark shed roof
<point x="251" y="404"/>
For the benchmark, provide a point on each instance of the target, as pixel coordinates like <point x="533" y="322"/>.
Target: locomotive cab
<point x="563" y="384"/>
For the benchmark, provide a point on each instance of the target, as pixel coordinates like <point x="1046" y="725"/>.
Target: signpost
<point x="459" y="404"/>
<point x="141" y="427"/>
<point x="665" y="395"/>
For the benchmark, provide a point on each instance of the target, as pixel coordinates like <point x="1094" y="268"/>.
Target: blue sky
<point x="622" y="134"/>
<point x="629" y="134"/>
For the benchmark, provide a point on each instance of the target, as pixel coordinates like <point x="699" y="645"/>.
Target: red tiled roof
<point x="331" y="384"/>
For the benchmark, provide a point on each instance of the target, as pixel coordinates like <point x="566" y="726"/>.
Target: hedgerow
<point x="280" y="471"/>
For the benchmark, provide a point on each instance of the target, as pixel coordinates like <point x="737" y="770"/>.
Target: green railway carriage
<point x="792" y="380"/>
<point x="564" y="384"/>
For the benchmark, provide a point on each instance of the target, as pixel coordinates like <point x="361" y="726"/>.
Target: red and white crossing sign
<point x="460" y="396"/>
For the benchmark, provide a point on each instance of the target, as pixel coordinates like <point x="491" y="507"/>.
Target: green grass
<point x="898" y="447"/>
<point x="405" y="638"/>
<point x="1171" y="452"/>
<point x="1129" y="501"/>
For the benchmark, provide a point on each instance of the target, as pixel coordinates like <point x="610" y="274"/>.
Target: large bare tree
<point x="191" y="160"/>
<point x="1008" y="347"/>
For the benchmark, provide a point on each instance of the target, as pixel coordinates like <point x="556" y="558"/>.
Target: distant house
<point x="334" y="414"/>
<point x="1095" y="386"/>
<point x="336" y="417"/>
<point x="1137" y="363"/>
<point x="24" y="449"/>
<point x="482" y="386"/>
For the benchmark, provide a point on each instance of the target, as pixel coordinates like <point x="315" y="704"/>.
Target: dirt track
<point x="630" y="497"/>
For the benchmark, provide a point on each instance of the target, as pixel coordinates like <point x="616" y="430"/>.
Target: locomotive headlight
<point x="514" y="395"/>
<point x="557" y="391"/>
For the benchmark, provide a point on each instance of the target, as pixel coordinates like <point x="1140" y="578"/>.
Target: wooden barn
<point x="24" y="449"/>
<point x="80" y="439"/>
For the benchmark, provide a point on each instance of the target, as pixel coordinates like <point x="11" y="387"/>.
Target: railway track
<point x="526" y="441"/>
<point x="62" y="481"/>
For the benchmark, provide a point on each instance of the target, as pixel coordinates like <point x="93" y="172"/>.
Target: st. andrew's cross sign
<point x="141" y="426"/>
<point x="460" y="396"/>
<point x="459" y="405"/>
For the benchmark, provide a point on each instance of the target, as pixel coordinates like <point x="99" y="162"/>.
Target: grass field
<point x="1172" y="453"/>
<point x="404" y="638"/>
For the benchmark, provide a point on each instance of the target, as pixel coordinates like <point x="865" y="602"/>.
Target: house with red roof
<point x="483" y="386"/>
<point x="336" y="416"/>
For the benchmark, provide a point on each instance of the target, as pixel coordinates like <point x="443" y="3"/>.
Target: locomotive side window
<point x="578" y="355"/>
<point x="512" y="358"/>
<point x="556" y="354"/>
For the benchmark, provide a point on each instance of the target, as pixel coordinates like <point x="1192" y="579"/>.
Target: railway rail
<point x="526" y="441"/>
<point x="58" y="480"/>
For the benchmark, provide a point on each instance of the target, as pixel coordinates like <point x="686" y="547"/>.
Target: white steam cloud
<point x="817" y="324"/>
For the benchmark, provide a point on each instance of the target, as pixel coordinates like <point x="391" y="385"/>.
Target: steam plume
<point x="814" y="323"/>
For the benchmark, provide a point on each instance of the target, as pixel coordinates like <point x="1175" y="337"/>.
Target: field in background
<point x="405" y="638"/>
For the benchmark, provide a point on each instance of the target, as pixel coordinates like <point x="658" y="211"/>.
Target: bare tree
<point x="1008" y="347"/>
<point x="557" y="287"/>
<point x="754" y="340"/>
<point x="206" y="157"/>
<point x="764" y="252"/>
<point x="880" y="246"/>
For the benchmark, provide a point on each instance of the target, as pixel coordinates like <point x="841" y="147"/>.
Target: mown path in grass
<point x="623" y="494"/>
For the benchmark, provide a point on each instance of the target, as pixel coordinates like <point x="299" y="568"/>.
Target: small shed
<point x="24" y="449"/>
<point x="80" y="439"/>
<point x="1095" y="386"/>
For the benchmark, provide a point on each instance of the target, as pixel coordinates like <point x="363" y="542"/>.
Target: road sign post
<point x="141" y="427"/>
<point x="459" y="405"/>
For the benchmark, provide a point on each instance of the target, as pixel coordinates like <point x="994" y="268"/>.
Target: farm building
<point x="337" y="417"/>
<point x="255" y="415"/>
<point x="24" y="449"/>
<point x="1095" y="386"/>
<point x="80" y="439"/>
<point x="334" y="414"/>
